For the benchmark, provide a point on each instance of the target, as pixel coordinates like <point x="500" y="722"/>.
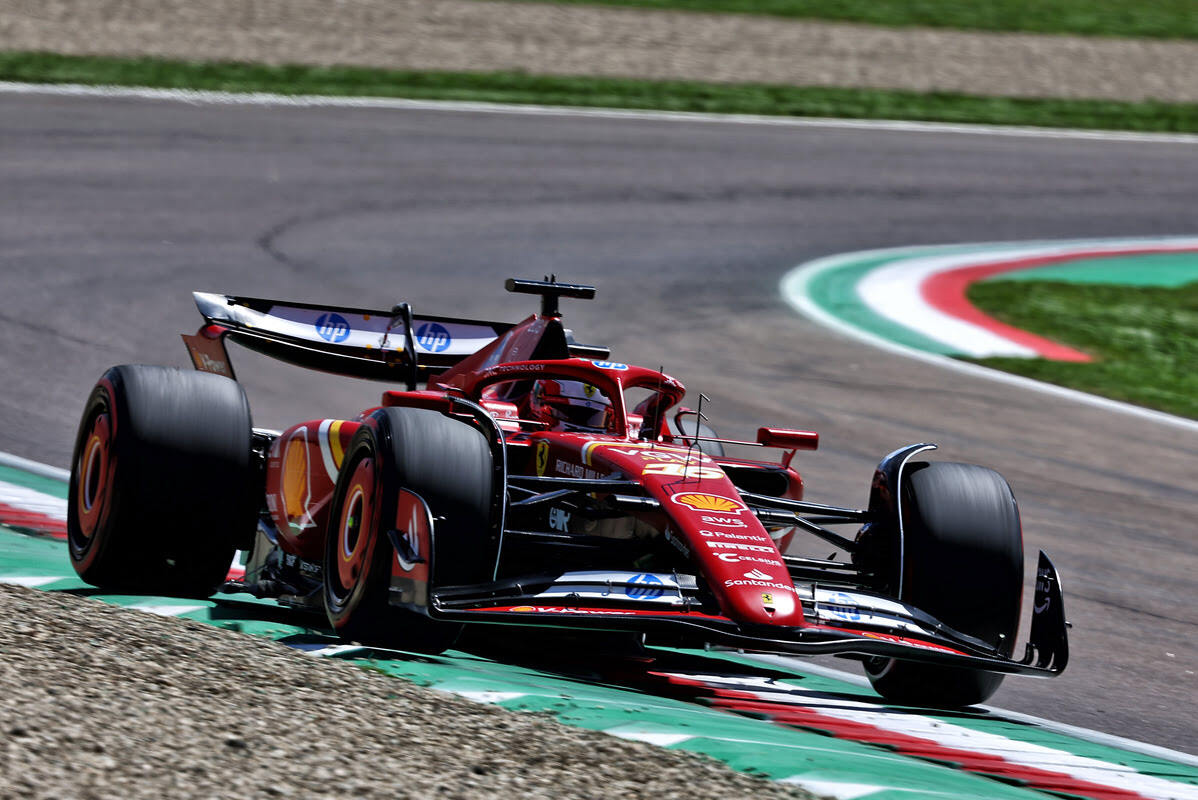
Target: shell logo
<point x="296" y="484"/>
<point x="698" y="501"/>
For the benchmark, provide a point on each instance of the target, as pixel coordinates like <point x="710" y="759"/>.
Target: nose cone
<point x="762" y="595"/>
<point x="727" y="542"/>
<point x="734" y="552"/>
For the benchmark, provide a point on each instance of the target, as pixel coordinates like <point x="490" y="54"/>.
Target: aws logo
<point x="699" y="501"/>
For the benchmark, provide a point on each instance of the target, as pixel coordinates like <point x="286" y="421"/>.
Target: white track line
<point x="794" y="291"/>
<point x="31" y="581"/>
<point x="319" y="101"/>
<point x="1085" y="734"/>
<point x="36" y="467"/>
<point x="961" y="737"/>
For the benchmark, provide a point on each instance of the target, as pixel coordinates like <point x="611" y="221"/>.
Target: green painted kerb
<point x="833" y="288"/>
<point x="38" y="483"/>
<point x="1167" y="270"/>
<point x="835" y="291"/>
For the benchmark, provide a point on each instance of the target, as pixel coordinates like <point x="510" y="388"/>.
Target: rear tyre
<point x="161" y="485"/>
<point x="445" y="461"/>
<point x="964" y="566"/>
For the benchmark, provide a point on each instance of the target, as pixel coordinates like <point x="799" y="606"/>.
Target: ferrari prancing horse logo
<point x="542" y="457"/>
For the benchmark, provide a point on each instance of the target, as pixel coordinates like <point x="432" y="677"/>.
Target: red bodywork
<point x="656" y="510"/>
<point x="702" y="509"/>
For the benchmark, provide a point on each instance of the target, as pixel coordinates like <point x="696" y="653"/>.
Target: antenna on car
<point x="694" y="441"/>
<point x="659" y="412"/>
<point x="550" y="291"/>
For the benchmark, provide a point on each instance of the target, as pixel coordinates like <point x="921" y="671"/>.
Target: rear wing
<point x="393" y="345"/>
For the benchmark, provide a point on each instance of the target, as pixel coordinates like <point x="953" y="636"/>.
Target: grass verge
<point x="1168" y="19"/>
<point x="1145" y="339"/>
<point x="506" y="87"/>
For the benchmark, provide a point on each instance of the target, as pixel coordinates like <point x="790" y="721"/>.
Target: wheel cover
<point x="355" y="529"/>
<point x="95" y="471"/>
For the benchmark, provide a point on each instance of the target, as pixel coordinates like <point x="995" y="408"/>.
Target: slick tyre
<point x="161" y="488"/>
<point x="448" y="464"/>
<point x="963" y="565"/>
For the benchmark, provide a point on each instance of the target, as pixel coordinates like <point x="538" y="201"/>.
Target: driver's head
<point x="566" y="405"/>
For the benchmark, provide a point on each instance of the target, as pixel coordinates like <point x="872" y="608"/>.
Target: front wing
<point x="886" y="628"/>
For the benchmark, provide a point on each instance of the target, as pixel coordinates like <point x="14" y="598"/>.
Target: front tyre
<point x="161" y="487"/>
<point x="448" y="464"/>
<point x="963" y="564"/>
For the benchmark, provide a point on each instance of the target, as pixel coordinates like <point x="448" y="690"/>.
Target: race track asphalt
<point x="113" y="210"/>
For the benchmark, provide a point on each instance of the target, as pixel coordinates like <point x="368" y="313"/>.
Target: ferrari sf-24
<point x="521" y="478"/>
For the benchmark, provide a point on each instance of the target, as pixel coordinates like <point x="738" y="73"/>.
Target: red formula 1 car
<point x="534" y="483"/>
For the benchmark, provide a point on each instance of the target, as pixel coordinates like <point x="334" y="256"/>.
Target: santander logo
<point x="758" y="575"/>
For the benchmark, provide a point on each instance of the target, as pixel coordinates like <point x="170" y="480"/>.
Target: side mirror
<point x="788" y="439"/>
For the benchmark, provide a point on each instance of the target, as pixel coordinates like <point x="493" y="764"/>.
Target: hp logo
<point x="433" y="337"/>
<point x="332" y="327"/>
<point x="644" y="587"/>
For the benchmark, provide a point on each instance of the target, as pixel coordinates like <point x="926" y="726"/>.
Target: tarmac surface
<point x="114" y="210"/>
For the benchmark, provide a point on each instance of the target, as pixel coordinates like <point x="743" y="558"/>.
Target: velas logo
<point x="698" y="501"/>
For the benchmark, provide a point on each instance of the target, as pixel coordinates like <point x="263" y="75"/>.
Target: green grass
<point x="1145" y="340"/>
<point x="599" y="92"/>
<point x="1167" y="19"/>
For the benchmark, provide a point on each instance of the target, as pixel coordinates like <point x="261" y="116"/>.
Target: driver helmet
<point x="566" y="405"/>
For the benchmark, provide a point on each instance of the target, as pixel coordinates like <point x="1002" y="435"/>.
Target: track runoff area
<point x="911" y="300"/>
<point x="780" y="717"/>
